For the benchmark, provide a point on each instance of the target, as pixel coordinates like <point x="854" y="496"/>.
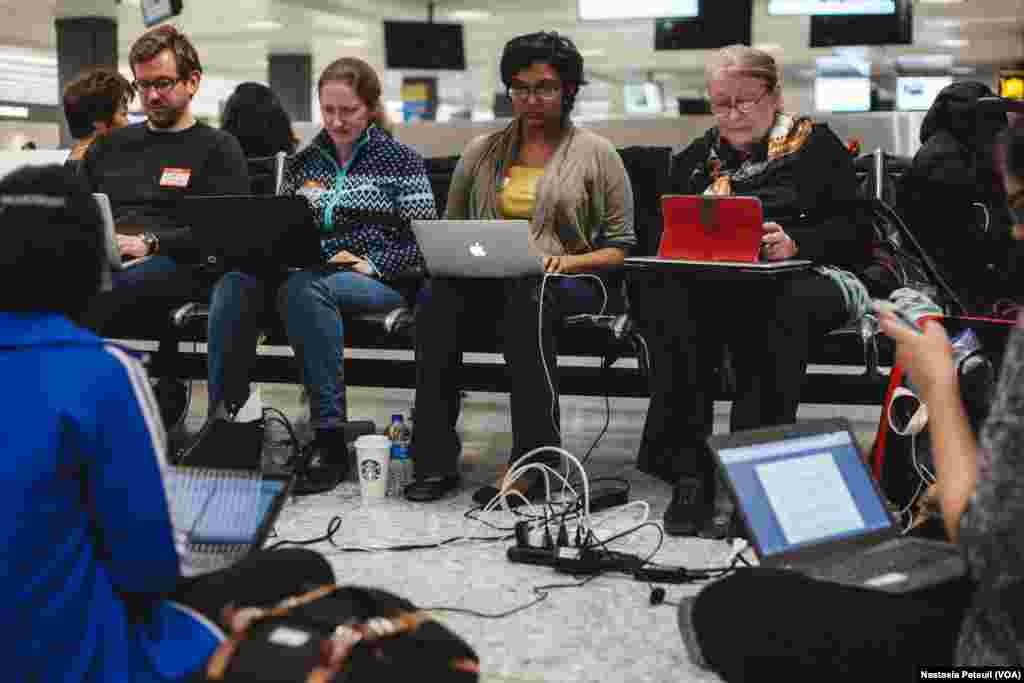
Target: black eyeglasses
<point x="742" y="106"/>
<point x="161" y="85"/>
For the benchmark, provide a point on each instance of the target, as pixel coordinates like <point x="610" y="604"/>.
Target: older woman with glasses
<point x="848" y="633"/>
<point x="804" y="178"/>
<point x="572" y="187"/>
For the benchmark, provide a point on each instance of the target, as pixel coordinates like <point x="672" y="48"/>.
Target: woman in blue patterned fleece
<point x="354" y="163"/>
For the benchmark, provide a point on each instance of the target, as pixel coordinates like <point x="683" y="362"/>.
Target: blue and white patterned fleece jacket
<point x="382" y="175"/>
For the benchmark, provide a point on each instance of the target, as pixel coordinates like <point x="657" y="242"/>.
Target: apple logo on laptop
<point x="477" y="249"/>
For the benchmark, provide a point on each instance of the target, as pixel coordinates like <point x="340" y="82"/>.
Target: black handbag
<point x="334" y="633"/>
<point x="222" y="444"/>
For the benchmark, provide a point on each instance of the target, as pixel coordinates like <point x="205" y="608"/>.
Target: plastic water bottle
<point x="400" y="466"/>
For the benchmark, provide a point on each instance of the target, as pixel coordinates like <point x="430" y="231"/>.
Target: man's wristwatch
<point x="151" y="241"/>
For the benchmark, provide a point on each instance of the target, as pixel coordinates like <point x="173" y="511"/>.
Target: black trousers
<point x="768" y="325"/>
<point x="758" y="624"/>
<point x="262" y="579"/>
<point x="448" y="309"/>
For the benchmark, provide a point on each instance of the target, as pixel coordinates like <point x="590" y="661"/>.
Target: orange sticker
<point x="175" y="177"/>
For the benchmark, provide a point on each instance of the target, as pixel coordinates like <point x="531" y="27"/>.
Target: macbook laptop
<point x="252" y="233"/>
<point x="477" y="248"/>
<point x="810" y="504"/>
<point x="219" y="516"/>
<point x="701" y="231"/>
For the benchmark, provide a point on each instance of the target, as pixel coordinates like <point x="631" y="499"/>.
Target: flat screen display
<point x="423" y="45"/>
<point x="842" y="94"/>
<point x="718" y="24"/>
<point x="864" y="29"/>
<point x="830" y="7"/>
<point x="603" y="10"/>
<point x="155" y="11"/>
<point x="918" y="92"/>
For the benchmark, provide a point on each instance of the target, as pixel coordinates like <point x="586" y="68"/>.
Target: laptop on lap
<point x="716" y="232"/>
<point x="811" y="505"/>
<point x="253" y="233"/>
<point x="477" y="248"/>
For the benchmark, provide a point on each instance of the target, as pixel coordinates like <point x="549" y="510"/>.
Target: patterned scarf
<point x="787" y="135"/>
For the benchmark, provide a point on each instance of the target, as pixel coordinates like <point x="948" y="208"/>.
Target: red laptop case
<point x="711" y="228"/>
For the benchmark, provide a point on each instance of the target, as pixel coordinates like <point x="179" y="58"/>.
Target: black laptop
<point x="810" y="504"/>
<point x="253" y="233"/>
<point x="220" y="516"/>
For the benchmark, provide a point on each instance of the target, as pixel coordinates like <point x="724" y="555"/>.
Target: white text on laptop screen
<point x="804" y="490"/>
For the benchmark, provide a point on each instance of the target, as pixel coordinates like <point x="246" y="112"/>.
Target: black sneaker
<point x="172" y="399"/>
<point x="319" y="470"/>
<point x="688" y="511"/>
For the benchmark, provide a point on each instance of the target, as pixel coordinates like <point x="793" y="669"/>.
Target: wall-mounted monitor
<point x="423" y="45"/>
<point x="717" y="24"/>
<point x="896" y="28"/>
<point x="830" y="7"/>
<point x="918" y="92"/>
<point x="155" y="11"/>
<point x="839" y="95"/>
<point x="604" y="10"/>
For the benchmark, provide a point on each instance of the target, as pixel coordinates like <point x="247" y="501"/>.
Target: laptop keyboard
<point x="902" y="558"/>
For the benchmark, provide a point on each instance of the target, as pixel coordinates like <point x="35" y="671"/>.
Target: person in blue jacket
<point x="89" y="561"/>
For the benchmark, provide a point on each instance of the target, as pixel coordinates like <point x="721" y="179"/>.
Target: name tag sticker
<point x="289" y="637"/>
<point x="175" y="177"/>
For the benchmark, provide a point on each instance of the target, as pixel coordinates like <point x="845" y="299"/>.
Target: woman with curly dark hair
<point x="571" y="185"/>
<point x="94" y="104"/>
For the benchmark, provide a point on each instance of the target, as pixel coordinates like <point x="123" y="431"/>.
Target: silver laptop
<point x="477" y="249"/>
<point x="810" y="504"/>
<point x="112" y="250"/>
<point x="15" y="159"/>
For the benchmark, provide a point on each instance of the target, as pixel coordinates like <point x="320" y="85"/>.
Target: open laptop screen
<point x="803" y="490"/>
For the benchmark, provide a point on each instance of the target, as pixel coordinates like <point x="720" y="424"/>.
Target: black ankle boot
<point x="688" y="510"/>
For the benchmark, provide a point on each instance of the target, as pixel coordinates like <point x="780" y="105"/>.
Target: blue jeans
<point x="153" y="267"/>
<point x="311" y="303"/>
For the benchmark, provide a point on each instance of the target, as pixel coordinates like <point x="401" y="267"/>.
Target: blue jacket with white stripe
<point x="86" y="524"/>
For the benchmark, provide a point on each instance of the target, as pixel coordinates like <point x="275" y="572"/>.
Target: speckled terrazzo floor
<point x="605" y="631"/>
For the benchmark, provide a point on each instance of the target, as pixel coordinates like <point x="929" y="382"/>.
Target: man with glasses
<point x="140" y="167"/>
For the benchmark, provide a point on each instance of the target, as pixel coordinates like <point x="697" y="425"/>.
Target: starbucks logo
<point x="370" y="470"/>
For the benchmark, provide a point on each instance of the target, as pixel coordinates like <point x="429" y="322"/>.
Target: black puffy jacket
<point x="952" y="197"/>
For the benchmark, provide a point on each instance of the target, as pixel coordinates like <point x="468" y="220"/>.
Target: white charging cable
<point x="540" y="334"/>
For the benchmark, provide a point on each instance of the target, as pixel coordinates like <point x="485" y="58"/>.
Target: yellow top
<point x="518" y="195"/>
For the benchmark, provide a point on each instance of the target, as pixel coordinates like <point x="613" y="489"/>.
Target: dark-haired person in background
<point x="953" y="200"/>
<point x="354" y="163"/>
<point x="841" y="633"/>
<point x="95" y="103"/>
<point x="804" y="177"/>
<point x="89" y="553"/>
<point x="573" y="188"/>
<point x="171" y="155"/>
<point x="255" y="116"/>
